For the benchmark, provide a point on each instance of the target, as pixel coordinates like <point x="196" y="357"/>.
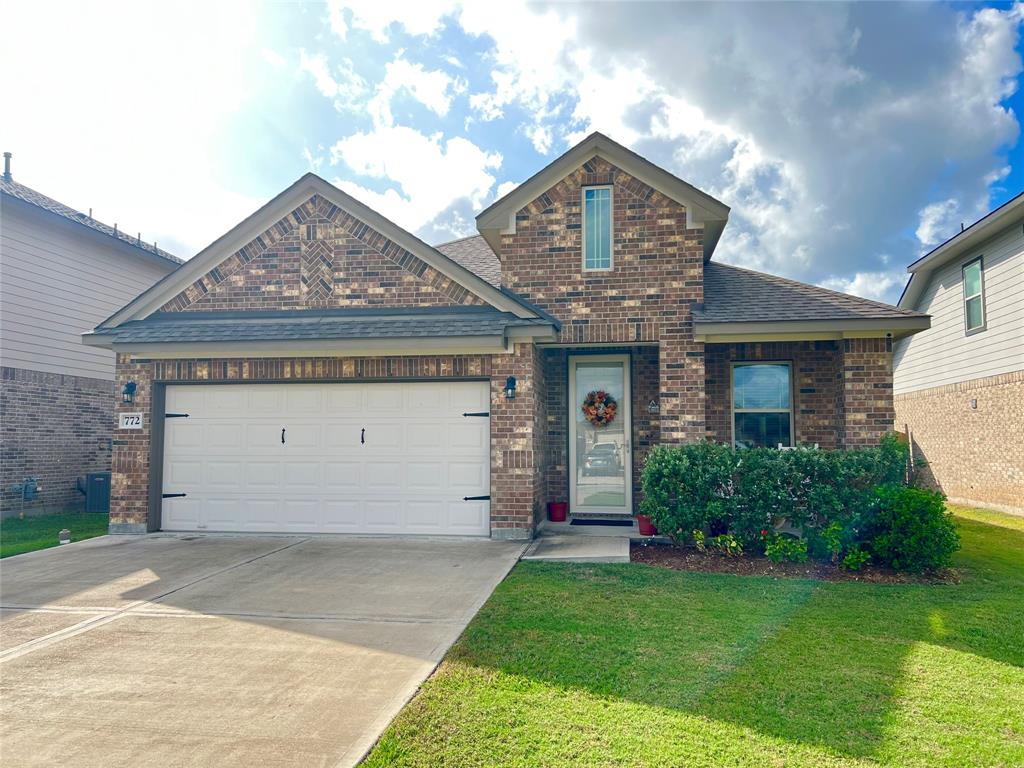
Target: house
<point x="61" y="272"/>
<point x="959" y="385"/>
<point x="317" y="368"/>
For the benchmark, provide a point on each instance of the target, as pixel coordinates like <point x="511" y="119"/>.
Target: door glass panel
<point x="602" y="458"/>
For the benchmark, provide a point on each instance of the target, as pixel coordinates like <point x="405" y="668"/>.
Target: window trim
<point x="732" y="399"/>
<point x="611" y="227"/>
<point x="980" y="261"/>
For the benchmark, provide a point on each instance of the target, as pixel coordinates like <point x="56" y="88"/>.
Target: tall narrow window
<point x="597" y="228"/>
<point x="761" y="405"/>
<point x="974" y="296"/>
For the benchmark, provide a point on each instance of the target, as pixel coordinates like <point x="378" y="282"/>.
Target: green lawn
<point x="628" y="665"/>
<point x="39" y="532"/>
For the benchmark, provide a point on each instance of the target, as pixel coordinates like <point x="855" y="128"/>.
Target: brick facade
<point x="867" y="408"/>
<point x="967" y="439"/>
<point x="55" y="428"/>
<point x="647" y="297"/>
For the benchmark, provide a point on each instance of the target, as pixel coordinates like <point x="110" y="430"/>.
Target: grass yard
<point x="39" y="532"/>
<point x="628" y="665"/>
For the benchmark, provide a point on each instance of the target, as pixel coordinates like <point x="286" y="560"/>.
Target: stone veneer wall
<point x="969" y="439"/>
<point x="645" y="425"/>
<point x="648" y="296"/>
<point x="515" y="439"/>
<point x="55" y="428"/>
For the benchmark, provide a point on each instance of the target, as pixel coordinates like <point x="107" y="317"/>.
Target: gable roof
<point x="735" y="297"/>
<point x="1009" y="213"/>
<point x="280" y="206"/>
<point x="701" y="208"/>
<point x="476" y="255"/>
<point x="39" y="200"/>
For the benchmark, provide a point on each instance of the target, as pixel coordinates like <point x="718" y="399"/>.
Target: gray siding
<point x="945" y="354"/>
<point x="57" y="280"/>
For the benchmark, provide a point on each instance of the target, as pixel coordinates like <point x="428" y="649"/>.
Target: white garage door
<point x="331" y="458"/>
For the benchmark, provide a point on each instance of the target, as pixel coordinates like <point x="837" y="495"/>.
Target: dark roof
<point x="296" y="325"/>
<point x="476" y="255"/>
<point x="39" y="200"/>
<point x="732" y="294"/>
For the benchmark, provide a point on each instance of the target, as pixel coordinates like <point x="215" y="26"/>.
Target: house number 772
<point x="130" y="421"/>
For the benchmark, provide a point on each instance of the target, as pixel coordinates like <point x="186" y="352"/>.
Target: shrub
<point x="828" y="495"/>
<point x="911" y="530"/>
<point x="855" y="559"/>
<point x="789" y="549"/>
<point x="726" y="544"/>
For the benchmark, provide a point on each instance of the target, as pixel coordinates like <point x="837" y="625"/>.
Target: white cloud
<point x="879" y="286"/>
<point x="938" y="221"/>
<point x="147" y="112"/>
<point x="434" y="89"/>
<point x="347" y="90"/>
<point x="429" y="174"/>
<point x="417" y="17"/>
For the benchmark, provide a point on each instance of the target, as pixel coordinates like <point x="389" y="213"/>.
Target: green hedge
<point x="829" y="498"/>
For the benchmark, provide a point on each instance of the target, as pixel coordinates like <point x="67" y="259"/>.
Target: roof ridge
<point x="44" y="202"/>
<point x="800" y="284"/>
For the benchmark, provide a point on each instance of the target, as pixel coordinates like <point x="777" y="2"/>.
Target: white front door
<point x="331" y="458"/>
<point x="600" y="452"/>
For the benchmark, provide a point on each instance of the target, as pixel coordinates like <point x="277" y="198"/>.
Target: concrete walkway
<point x="226" y="650"/>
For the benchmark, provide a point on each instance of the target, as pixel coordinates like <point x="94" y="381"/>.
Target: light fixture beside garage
<point x="510" y="388"/>
<point x="128" y="393"/>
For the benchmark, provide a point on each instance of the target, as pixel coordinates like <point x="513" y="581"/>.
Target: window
<point x="597" y="228"/>
<point x="761" y="405"/>
<point x="974" y="296"/>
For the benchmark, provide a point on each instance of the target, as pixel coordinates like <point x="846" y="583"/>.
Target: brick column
<point x="866" y="411"/>
<point x="681" y="383"/>
<point x="516" y="443"/>
<point x="129" y="486"/>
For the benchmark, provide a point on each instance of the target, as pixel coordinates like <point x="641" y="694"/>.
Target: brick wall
<point x="647" y="296"/>
<point x="55" y="428"/>
<point x="516" y="435"/>
<point x="817" y="407"/>
<point x="645" y="425"/>
<point x="319" y="256"/>
<point x="968" y="439"/>
<point x="867" y="403"/>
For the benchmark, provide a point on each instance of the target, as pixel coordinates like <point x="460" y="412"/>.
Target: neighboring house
<point x="61" y="272"/>
<point x="320" y="369"/>
<point x="960" y="384"/>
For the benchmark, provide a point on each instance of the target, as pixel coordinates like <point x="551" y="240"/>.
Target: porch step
<point x="579" y="549"/>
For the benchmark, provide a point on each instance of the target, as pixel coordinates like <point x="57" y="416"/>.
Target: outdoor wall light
<point x="128" y="393"/>
<point x="510" y="388"/>
<point x="653" y="407"/>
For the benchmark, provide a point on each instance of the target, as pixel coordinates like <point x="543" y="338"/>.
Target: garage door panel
<point x="419" y="458"/>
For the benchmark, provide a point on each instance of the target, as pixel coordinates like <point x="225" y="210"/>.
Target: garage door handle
<point x="282" y="435"/>
<point x="476" y="498"/>
<point x="362" y="435"/>
<point x="173" y="495"/>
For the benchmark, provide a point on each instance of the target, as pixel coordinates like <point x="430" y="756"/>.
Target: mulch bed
<point x="690" y="559"/>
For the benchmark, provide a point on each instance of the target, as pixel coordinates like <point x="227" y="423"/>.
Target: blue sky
<point x="848" y="139"/>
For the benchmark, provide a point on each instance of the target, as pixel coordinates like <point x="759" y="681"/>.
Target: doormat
<point x="621" y="523"/>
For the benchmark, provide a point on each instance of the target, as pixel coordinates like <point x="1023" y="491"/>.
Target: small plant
<point x="727" y="544"/>
<point x="698" y="540"/>
<point x="912" y="531"/>
<point x="788" y="549"/>
<point x="855" y="559"/>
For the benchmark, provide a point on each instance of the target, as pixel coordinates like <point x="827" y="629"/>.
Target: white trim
<point x="732" y="398"/>
<point x="626" y="410"/>
<point x="611" y="228"/>
<point x="275" y="210"/>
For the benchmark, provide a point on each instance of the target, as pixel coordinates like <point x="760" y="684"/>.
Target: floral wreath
<point x="600" y="408"/>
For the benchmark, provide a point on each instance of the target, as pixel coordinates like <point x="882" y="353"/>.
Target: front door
<point x="600" y="456"/>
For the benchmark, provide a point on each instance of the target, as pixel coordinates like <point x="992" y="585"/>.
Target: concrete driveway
<point x="226" y="650"/>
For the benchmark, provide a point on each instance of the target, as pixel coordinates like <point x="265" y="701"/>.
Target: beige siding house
<point x="959" y="385"/>
<point x="60" y="272"/>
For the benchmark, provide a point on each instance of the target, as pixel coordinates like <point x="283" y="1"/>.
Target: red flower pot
<point x="646" y="526"/>
<point x="557" y="511"/>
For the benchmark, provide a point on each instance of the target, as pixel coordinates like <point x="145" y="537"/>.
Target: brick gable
<point x="319" y="256"/>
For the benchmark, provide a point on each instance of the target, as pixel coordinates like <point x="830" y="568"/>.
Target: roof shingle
<point x="476" y="255"/>
<point x="733" y="294"/>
